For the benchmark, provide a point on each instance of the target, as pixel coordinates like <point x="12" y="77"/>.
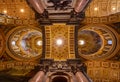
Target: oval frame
<point x="99" y="54"/>
<point x="10" y="51"/>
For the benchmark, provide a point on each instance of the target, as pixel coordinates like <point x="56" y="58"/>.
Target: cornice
<point x="104" y="19"/>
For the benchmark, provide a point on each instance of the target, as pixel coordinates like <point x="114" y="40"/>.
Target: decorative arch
<point x="100" y="42"/>
<point x="25" y="43"/>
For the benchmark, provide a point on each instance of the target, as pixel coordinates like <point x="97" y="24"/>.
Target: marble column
<point x="80" y="77"/>
<point x="39" y="77"/>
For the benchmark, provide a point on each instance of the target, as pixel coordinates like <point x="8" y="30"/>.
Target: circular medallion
<point x="24" y="43"/>
<point x="97" y="42"/>
<point x="89" y="42"/>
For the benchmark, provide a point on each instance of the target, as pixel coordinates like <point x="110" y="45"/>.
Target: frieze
<point x="104" y="19"/>
<point x="6" y="20"/>
<point x="108" y="71"/>
<point x="15" y="64"/>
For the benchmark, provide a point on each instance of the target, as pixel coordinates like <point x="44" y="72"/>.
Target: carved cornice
<point x="14" y="64"/>
<point x="104" y="19"/>
<point x="88" y="20"/>
<point x="7" y="21"/>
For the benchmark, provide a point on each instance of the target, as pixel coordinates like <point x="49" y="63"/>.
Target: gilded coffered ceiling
<point x="60" y="42"/>
<point x="20" y="9"/>
<point x="98" y="8"/>
<point x="16" y="9"/>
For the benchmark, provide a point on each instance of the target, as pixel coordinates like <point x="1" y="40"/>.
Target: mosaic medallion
<point x="96" y="42"/>
<point x="25" y="43"/>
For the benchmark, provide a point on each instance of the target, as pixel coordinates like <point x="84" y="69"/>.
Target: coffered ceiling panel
<point x="60" y="42"/>
<point x="98" y="8"/>
<point x="16" y="9"/>
<point x="20" y="9"/>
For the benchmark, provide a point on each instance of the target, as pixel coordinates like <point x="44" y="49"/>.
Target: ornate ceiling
<point x="25" y="43"/>
<point x="97" y="42"/>
<point x="100" y="8"/>
<point x="22" y="58"/>
<point x="97" y="8"/>
<point x="16" y="9"/>
<point x="60" y="42"/>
